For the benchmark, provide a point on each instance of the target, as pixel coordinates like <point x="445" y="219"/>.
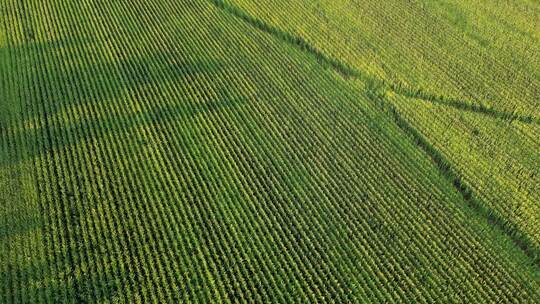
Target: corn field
<point x="226" y="151"/>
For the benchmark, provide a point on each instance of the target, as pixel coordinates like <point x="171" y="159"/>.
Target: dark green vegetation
<point x="471" y="61"/>
<point x="300" y="151"/>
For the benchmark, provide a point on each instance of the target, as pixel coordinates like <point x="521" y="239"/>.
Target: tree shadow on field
<point x="57" y="283"/>
<point x="60" y="102"/>
<point x="58" y="97"/>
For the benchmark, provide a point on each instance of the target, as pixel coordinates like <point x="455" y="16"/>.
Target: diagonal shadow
<point x="463" y="105"/>
<point x="374" y="87"/>
<point x="348" y="72"/>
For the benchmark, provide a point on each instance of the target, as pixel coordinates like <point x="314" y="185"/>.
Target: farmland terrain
<point x="269" y="151"/>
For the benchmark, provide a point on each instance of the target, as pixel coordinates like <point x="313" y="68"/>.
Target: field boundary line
<point x="348" y="72"/>
<point x="510" y="229"/>
<point x="379" y="85"/>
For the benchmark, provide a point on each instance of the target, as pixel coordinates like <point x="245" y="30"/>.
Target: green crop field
<point x="225" y="151"/>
